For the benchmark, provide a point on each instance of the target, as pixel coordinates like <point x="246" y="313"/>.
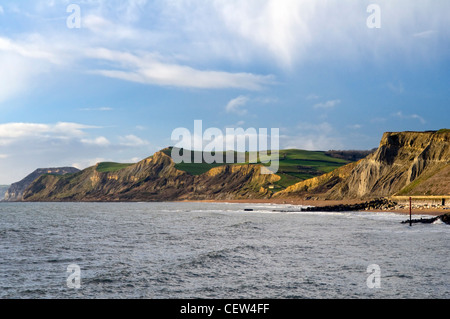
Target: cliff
<point x="406" y="163"/>
<point x="318" y="186"/>
<point x="16" y="190"/>
<point x="153" y="179"/>
<point x="3" y="190"/>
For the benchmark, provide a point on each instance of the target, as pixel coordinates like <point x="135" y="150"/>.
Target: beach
<point x="322" y="203"/>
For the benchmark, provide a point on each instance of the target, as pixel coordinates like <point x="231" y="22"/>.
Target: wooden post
<point x="410" y="211"/>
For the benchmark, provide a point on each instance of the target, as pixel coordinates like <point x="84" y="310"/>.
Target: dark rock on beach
<point x="444" y="218"/>
<point x="382" y="204"/>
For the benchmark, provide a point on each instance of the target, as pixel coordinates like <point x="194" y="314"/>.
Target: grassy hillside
<point x="294" y="165"/>
<point x="299" y="165"/>
<point x="109" y="167"/>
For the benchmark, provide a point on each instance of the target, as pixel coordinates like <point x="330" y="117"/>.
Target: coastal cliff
<point x="16" y="190"/>
<point x="153" y="179"/>
<point x="406" y="163"/>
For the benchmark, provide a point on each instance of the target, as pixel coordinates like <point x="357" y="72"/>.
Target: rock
<point x="381" y="204"/>
<point x="153" y="179"/>
<point x="406" y="163"/>
<point x="16" y="190"/>
<point x="444" y="218"/>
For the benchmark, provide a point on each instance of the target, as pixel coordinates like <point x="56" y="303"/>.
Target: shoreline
<point x="321" y="203"/>
<point x="435" y="212"/>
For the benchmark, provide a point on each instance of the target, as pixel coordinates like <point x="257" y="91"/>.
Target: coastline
<point x="321" y="203"/>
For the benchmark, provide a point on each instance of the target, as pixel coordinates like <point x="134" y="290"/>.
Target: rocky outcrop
<point x="380" y="204"/>
<point x="401" y="163"/>
<point x="153" y="179"/>
<point x="3" y="190"/>
<point x="320" y="185"/>
<point x="443" y="218"/>
<point x="406" y="163"/>
<point x="16" y="190"/>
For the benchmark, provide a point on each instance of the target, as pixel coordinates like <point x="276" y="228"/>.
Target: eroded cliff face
<point x="320" y="185"/>
<point x="401" y="160"/>
<point x="16" y="190"/>
<point x="153" y="179"/>
<point x="406" y="163"/>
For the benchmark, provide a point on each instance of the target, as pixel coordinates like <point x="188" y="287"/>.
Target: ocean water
<point x="216" y="251"/>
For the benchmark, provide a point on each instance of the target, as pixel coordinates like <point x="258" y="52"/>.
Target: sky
<point x="89" y="81"/>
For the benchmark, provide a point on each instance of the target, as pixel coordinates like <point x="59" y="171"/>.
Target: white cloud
<point x="425" y="34"/>
<point x="34" y="46"/>
<point x="12" y="131"/>
<point x="324" y="127"/>
<point x="98" y="109"/>
<point x="106" y="30"/>
<point x="327" y="104"/>
<point x="88" y="163"/>
<point x="27" y="146"/>
<point x="2" y="11"/>
<point x="147" y="69"/>
<point x="34" y="145"/>
<point x="292" y="32"/>
<point x="99" y="141"/>
<point x="409" y="116"/>
<point x="236" y="105"/>
<point x="23" y="60"/>
<point x="26" y="57"/>
<point x="355" y="126"/>
<point x="311" y="136"/>
<point x="279" y="27"/>
<point x="312" y="97"/>
<point x="396" y="88"/>
<point x="132" y="141"/>
<point x="197" y="36"/>
<point x="310" y="142"/>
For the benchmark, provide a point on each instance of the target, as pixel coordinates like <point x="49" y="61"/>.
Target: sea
<point x="216" y="251"/>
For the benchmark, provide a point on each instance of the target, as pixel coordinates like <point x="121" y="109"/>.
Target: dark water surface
<point x="199" y="250"/>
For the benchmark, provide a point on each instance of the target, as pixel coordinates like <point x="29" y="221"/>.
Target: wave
<point x="245" y="224"/>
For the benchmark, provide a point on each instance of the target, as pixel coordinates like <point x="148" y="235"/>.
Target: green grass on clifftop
<point x="294" y="166"/>
<point x="109" y="167"/>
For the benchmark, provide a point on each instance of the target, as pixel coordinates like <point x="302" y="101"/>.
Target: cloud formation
<point x="328" y="104"/>
<point x="27" y="146"/>
<point x="400" y="115"/>
<point x="236" y="105"/>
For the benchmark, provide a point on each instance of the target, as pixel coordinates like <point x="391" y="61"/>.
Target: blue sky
<point x="116" y="88"/>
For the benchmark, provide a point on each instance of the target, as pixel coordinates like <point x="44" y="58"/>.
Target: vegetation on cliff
<point x="406" y="163"/>
<point x="16" y="190"/>
<point x="153" y="179"/>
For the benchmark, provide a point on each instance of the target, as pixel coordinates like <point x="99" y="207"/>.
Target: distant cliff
<point x="406" y="163"/>
<point x="15" y="191"/>
<point x="153" y="179"/>
<point x="3" y="189"/>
